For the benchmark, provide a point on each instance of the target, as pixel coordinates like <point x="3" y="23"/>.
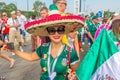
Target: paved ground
<point x="24" y="70"/>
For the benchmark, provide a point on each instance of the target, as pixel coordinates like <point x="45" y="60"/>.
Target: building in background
<point x="76" y="7"/>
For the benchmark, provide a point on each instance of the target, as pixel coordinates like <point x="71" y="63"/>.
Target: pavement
<point x="24" y="70"/>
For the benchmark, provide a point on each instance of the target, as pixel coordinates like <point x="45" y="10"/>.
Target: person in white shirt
<point x="22" y="19"/>
<point x="14" y="33"/>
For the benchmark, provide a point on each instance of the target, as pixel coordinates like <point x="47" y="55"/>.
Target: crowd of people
<point x="53" y="48"/>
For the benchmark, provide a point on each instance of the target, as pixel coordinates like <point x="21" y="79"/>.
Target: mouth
<point x="56" y="37"/>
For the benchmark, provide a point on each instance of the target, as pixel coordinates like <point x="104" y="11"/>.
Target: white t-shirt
<point x="22" y="19"/>
<point x="12" y="21"/>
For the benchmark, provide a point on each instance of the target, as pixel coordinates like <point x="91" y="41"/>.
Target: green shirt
<point x="79" y="30"/>
<point x="88" y="23"/>
<point x="61" y="66"/>
<point x="92" y="28"/>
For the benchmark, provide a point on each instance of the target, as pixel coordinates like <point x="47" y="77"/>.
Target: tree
<point x="30" y="13"/>
<point x="2" y="7"/>
<point x="108" y="14"/>
<point x="11" y="7"/>
<point x="37" y="5"/>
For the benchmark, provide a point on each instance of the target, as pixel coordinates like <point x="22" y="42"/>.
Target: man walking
<point x="14" y="33"/>
<point x="22" y="19"/>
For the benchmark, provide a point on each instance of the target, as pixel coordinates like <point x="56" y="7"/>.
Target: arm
<point x="90" y="36"/>
<point x="74" y="67"/>
<point x="11" y="25"/>
<point x="25" y="19"/>
<point x="77" y="48"/>
<point x="74" y="60"/>
<point x="38" y="41"/>
<point x="27" y="56"/>
<point x="1" y="42"/>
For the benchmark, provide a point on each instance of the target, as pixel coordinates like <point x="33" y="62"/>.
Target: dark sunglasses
<point x="59" y="30"/>
<point x="4" y="15"/>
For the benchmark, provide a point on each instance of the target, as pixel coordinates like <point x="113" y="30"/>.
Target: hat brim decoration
<point x="38" y="27"/>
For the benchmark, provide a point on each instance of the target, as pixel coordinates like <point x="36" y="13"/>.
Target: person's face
<point x="76" y="26"/>
<point x="13" y="16"/>
<point x="96" y="20"/>
<point x="4" y="15"/>
<point x="87" y="18"/>
<point x="18" y="13"/>
<point x="43" y="13"/>
<point x="56" y="33"/>
<point x="61" y="6"/>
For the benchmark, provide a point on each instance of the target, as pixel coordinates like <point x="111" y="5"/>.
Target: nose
<point x="56" y="33"/>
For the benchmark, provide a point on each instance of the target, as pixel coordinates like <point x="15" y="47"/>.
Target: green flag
<point x="102" y="49"/>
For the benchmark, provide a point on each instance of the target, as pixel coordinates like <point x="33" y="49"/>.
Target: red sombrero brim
<point x="38" y="27"/>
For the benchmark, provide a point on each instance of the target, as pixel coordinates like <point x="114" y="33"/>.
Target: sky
<point x="87" y="5"/>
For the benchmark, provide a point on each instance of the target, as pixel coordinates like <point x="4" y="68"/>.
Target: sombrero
<point x="38" y="27"/>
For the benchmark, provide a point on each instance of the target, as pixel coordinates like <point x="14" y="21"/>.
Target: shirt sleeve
<point x="73" y="57"/>
<point x="24" y="18"/>
<point x="39" y="52"/>
<point x="43" y="49"/>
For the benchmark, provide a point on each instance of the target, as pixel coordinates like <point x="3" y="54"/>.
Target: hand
<point x="1" y="43"/>
<point x="17" y="25"/>
<point x="93" y="40"/>
<point x="72" y="76"/>
<point x="10" y="46"/>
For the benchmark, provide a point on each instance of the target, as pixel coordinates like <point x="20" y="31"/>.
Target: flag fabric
<point x="106" y="26"/>
<point x="102" y="61"/>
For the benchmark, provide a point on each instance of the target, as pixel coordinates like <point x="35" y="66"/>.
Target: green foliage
<point x="108" y="14"/>
<point x="2" y="7"/>
<point x="11" y="7"/>
<point x="7" y="8"/>
<point x="28" y="13"/>
<point x="37" y="5"/>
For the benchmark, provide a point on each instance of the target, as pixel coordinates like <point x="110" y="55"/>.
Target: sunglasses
<point x="59" y="30"/>
<point x="4" y="15"/>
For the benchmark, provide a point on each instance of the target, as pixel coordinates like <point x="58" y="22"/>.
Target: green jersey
<point x="61" y="66"/>
<point x="92" y="28"/>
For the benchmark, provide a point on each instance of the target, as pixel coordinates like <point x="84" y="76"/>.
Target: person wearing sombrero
<point x="56" y="58"/>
